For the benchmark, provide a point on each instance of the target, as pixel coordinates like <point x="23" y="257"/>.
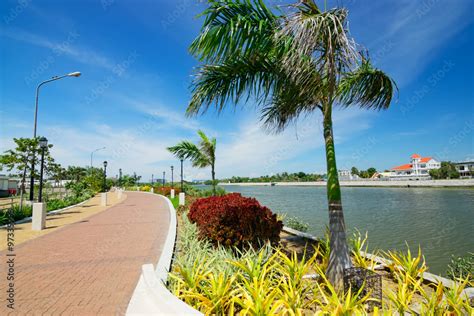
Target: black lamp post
<point x="182" y="175"/>
<point x="172" y="179"/>
<point x="105" y="175"/>
<point x="43" y="142"/>
<point x="152" y="179"/>
<point x="120" y="178"/>
<point x="163" y="178"/>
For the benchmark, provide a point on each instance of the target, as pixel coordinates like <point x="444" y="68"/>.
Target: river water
<point x="441" y="221"/>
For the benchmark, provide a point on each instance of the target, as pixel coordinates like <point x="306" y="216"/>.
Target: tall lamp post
<point x="182" y="175"/>
<point x="172" y="179"/>
<point x="120" y="178"/>
<point x="95" y="150"/>
<point x="163" y="178"/>
<point x="152" y="179"/>
<point x="32" y="176"/>
<point x="105" y="174"/>
<point x="43" y="142"/>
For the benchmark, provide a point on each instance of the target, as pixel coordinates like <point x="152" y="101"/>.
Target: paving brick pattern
<point x="90" y="267"/>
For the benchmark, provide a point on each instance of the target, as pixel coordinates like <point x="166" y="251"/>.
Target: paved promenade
<point x="90" y="267"/>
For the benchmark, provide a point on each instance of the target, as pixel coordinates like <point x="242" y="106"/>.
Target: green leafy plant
<point x="296" y="223"/>
<point x="462" y="267"/>
<point x="360" y="245"/>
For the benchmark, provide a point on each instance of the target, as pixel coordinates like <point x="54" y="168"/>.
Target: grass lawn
<point x="175" y="201"/>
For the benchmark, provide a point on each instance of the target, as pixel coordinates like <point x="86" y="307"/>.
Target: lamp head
<point x="74" y="74"/>
<point x="105" y="164"/>
<point x="43" y="142"/>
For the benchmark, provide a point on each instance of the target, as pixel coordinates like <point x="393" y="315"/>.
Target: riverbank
<point x="458" y="183"/>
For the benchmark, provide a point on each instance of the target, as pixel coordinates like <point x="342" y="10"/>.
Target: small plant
<point x="402" y="298"/>
<point x="296" y="223"/>
<point x="234" y="220"/>
<point x="406" y="267"/>
<point x="360" y="245"/>
<point x="462" y="267"/>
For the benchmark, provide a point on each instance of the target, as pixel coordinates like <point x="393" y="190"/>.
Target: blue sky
<point x="136" y="71"/>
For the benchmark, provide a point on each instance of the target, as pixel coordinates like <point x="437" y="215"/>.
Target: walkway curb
<point x="151" y="296"/>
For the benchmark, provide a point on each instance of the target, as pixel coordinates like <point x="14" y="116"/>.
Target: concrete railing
<point x="151" y="296"/>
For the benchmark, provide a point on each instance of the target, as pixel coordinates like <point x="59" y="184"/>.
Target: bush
<point x="234" y="220"/>
<point x="295" y="223"/>
<point x="166" y="191"/>
<point x="461" y="267"/>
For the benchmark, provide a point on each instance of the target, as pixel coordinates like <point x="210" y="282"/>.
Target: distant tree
<point x="20" y="158"/>
<point x="371" y="171"/>
<point x="202" y="155"/>
<point x="446" y="171"/>
<point x="76" y="173"/>
<point x="354" y="171"/>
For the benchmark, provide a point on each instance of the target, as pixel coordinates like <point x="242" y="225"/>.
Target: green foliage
<point x="279" y="177"/>
<point x="202" y="155"/>
<point x="406" y="267"/>
<point x="447" y="171"/>
<point x="462" y="267"/>
<point x="198" y="192"/>
<point x="21" y="157"/>
<point x="295" y="223"/>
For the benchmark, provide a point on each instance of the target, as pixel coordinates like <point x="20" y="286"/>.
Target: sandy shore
<point x="373" y="183"/>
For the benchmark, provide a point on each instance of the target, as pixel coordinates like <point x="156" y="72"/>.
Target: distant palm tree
<point x="290" y="64"/>
<point x="202" y="155"/>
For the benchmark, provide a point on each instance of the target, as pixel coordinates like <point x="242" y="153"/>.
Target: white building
<point x="345" y="175"/>
<point x="418" y="168"/>
<point x="465" y="169"/>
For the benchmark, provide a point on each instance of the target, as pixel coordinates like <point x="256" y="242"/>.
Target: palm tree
<point x="202" y="155"/>
<point x="291" y="64"/>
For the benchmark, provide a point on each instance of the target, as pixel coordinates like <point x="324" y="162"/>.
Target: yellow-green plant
<point x="332" y="302"/>
<point x="295" y="290"/>
<point x="360" y="245"/>
<point x="258" y="285"/>
<point x="433" y="304"/>
<point x="407" y="267"/>
<point x="458" y="302"/>
<point x="215" y="295"/>
<point x="402" y="298"/>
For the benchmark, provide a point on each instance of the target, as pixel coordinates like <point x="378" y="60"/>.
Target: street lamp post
<point x="92" y="153"/>
<point x="105" y="175"/>
<point x="152" y="179"/>
<point x="182" y="175"/>
<point x="43" y="142"/>
<point x="32" y="175"/>
<point x="120" y="178"/>
<point x="172" y="179"/>
<point x="163" y="178"/>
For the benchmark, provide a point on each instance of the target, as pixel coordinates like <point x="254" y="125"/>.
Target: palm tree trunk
<point x="213" y="174"/>
<point x="339" y="258"/>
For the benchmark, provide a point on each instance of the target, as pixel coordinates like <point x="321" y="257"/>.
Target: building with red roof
<point x="418" y="168"/>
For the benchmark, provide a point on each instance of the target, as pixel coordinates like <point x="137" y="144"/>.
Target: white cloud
<point x="68" y="46"/>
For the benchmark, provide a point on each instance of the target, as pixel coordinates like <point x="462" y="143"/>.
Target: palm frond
<point x="321" y="35"/>
<point x="231" y="80"/>
<point x="366" y="87"/>
<point x="233" y="28"/>
<point x="187" y="150"/>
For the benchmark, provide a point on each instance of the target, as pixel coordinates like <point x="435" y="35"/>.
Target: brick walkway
<point x="90" y="267"/>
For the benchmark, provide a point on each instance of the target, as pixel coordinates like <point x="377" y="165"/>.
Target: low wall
<point x="372" y="183"/>
<point x="151" y="296"/>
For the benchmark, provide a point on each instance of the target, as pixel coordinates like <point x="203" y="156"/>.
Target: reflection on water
<point x="441" y="221"/>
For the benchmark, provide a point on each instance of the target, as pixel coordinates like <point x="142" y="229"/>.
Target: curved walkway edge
<point x="151" y="296"/>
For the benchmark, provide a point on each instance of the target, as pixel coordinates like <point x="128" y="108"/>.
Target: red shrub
<point x="234" y="220"/>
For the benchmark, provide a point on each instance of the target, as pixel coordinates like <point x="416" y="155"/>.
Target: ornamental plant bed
<point x="288" y="279"/>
